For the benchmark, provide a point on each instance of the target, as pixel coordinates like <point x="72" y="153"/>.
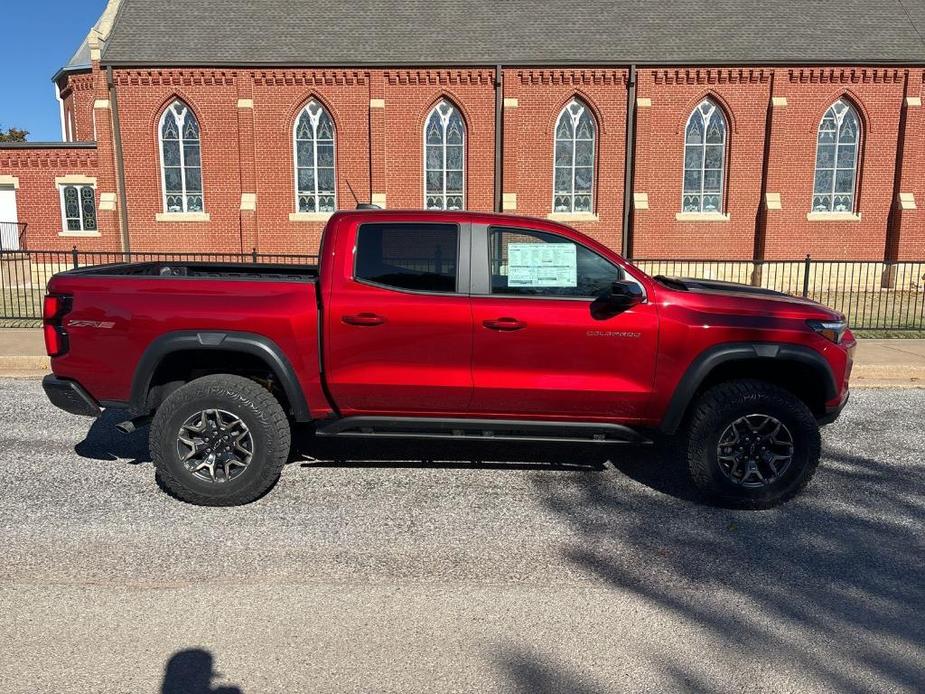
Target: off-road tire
<point x="723" y="404"/>
<point x="249" y="401"/>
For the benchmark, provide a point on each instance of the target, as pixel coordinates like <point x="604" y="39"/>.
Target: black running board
<point x="480" y="429"/>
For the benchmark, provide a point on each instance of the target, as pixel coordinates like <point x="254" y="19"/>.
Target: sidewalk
<point x="878" y="363"/>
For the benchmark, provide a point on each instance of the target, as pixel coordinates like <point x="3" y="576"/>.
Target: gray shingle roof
<point x="458" y="32"/>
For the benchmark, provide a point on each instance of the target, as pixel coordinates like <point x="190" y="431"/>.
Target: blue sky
<point x="37" y="38"/>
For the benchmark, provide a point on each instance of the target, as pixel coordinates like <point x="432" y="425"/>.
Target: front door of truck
<point x="540" y="347"/>
<point x="399" y="323"/>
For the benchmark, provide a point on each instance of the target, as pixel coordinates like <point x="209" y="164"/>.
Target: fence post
<point x="74" y="256"/>
<point x="806" y="264"/>
<point x="254" y="255"/>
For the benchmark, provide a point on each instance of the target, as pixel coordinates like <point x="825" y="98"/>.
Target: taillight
<point x="53" y="310"/>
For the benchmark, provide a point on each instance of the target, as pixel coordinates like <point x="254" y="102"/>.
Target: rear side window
<point x="420" y="257"/>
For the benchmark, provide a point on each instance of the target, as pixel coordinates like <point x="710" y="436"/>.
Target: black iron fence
<point x="875" y="296"/>
<point x="24" y="274"/>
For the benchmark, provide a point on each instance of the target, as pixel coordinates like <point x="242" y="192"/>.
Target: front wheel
<point x="751" y="444"/>
<point x="220" y="440"/>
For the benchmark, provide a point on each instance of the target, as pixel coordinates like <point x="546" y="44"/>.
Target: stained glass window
<point x="181" y="160"/>
<point x="314" y="159"/>
<point x="704" y="159"/>
<point x="78" y="208"/>
<point x="573" y="160"/>
<point x="444" y="158"/>
<point x="836" y="159"/>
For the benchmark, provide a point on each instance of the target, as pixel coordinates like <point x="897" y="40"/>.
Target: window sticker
<point x="542" y="265"/>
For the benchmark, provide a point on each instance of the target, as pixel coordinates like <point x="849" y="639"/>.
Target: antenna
<point x="355" y="198"/>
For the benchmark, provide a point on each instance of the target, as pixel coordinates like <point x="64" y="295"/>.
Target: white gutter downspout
<point x="64" y="136"/>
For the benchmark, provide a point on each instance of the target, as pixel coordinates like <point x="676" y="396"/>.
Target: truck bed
<point x="118" y="311"/>
<point x="219" y="271"/>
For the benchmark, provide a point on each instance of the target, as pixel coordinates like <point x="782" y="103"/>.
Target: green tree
<point x="13" y="134"/>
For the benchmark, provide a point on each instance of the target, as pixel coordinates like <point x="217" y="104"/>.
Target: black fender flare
<point x="242" y="342"/>
<point x="712" y="357"/>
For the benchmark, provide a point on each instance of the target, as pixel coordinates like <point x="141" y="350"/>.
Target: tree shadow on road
<point x="831" y="583"/>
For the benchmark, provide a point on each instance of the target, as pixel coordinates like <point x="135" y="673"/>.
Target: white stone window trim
<point x="79" y="183"/>
<point x="182" y="217"/>
<point x="179" y="119"/>
<point x="575" y="115"/>
<point x="445" y="113"/>
<point x="310" y="216"/>
<point x="314" y="119"/>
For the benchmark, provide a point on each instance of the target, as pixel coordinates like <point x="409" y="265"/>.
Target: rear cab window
<point x="408" y="256"/>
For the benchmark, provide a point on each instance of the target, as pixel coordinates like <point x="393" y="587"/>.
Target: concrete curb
<point x="24" y="367"/>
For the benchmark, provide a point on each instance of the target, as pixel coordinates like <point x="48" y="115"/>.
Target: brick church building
<point x="748" y="130"/>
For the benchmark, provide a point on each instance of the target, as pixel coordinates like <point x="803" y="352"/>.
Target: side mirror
<point x="624" y="294"/>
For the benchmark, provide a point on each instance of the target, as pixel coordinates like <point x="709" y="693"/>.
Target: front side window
<point x="314" y="159"/>
<point x="536" y="263"/>
<point x="836" y="159"/>
<point x="573" y="161"/>
<point x="420" y="257"/>
<point x="704" y="159"/>
<point x="444" y="158"/>
<point x="181" y="163"/>
<point x="78" y="208"/>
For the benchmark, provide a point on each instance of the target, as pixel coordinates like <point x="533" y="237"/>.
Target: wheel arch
<point x="799" y="369"/>
<point x="250" y="345"/>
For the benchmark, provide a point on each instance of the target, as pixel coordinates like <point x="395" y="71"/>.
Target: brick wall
<point x="247" y="117"/>
<point x="665" y="100"/>
<point x="37" y="199"/>
<point x="77" y="94"/>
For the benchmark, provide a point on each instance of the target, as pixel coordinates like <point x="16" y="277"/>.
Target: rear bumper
<point x="70" y="396"/>
<point x="831" y="413"/>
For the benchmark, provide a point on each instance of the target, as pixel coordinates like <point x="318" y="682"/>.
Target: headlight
<point x="833" y="330"/>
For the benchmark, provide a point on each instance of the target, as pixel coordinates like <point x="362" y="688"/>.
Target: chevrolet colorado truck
<point x="452" y="325"/>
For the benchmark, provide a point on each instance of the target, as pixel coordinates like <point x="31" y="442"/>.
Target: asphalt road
<point x="413" y="567"/>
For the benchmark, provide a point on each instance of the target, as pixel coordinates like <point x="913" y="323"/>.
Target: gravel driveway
<point x="438" y="567"/>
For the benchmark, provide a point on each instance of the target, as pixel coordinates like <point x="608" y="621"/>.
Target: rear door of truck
<point x="398" y="323"/>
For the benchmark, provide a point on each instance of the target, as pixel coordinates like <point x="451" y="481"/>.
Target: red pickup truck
<point x="450" y="325"/>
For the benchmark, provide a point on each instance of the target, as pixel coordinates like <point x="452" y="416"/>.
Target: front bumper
<point x="832" y="413"/>
<point x="70" y="396"/>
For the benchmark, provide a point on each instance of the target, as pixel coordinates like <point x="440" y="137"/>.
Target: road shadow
<point x="831" y="583"/>
<point x="104" y="442"/>
<point x="192" y="671"/>
<point x="318" y="452"/>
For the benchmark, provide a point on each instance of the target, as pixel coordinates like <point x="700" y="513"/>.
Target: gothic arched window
<point x="704" y="159"/>
<point x="444" y="158"/>
<point x="314" y="160"/>
<point x="573" y="161"/>
<point x="181" y="162"/>
<point x="837" y="159"/>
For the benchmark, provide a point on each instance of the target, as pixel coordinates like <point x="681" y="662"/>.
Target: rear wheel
<point x="751" y="444"/>
<point x="221" y="440"/>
